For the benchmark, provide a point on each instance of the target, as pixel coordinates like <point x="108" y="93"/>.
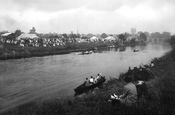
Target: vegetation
<point x="103" y="35"/>
<point x="143" y="37"/>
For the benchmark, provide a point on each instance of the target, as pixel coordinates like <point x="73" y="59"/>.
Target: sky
<point x="88" y="16"/>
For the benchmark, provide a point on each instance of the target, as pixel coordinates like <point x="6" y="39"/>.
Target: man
<point x="130" y="92"/>
<point x="86" y="83"/>
<point x="97" y="78"/>
<point x="91" y="80"/>
<point x="152" y="65"/>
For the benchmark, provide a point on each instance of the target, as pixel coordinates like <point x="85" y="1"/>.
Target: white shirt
<point x="91" y="80"/>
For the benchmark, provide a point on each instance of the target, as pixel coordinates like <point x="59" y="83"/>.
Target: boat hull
<point x="82" y="88"/>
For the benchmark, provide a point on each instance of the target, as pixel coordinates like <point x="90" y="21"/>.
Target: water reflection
<point x="121" y="49"/>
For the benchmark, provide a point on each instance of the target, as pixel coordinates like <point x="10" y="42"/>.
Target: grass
<point x="159" y="100"/>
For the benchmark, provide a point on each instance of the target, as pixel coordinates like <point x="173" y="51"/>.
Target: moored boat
<point x="135" y="50"/>
<point x="86" y="52"/>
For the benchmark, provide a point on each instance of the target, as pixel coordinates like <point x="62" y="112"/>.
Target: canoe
<point x="86" y="52"/>
<point x="82" y="88"/>
<point x="136" y="50"/>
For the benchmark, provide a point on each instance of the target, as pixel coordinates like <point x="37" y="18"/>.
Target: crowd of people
<point x="38" y="42"/>
<point x="92" y="80"/>
<point x="47" y="42"/>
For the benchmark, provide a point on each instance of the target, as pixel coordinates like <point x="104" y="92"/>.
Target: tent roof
<point x="94" y="38"/>
<point x="110" y="38"/>
<point x="6" y="34"/>
<point x="31" y="36"/>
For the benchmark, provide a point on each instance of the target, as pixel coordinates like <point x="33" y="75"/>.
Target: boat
<point x="86" y="52"/>
<point x="82" y="88"/>
<point x="111" y="46"/>
<point x="135" y="50"/>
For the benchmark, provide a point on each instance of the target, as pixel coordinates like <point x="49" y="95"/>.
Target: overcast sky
<point x="89" y="16"/>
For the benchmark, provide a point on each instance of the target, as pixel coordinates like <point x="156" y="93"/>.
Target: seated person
<point x="91" y="80"/>
<point x="97" y="78"/>
<point x="142" y="89"/>
<point x="100" y="75"/>
<point x="150" y="72"/>
<point x="86" y="83"/>
<point x="152" y="64"/>
<point x="130" y="94"/>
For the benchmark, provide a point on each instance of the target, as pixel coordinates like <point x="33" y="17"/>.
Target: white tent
<point x="27" y="36"/>
<point x="128" y="38"/>
<point x="94" y="38"/>
<point x="110" y="38"/>
<point x="6" y="34"/>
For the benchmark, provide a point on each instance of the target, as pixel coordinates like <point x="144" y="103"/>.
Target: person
<point x="86" y="83"/>
<point x="150" y="72"/>
<point x="130" y="92"/>
<point x="96" y="78"/>
<point x="152" y="65"/>
<point x="100" y="74"/>
<point x="91" y="80"/>
<point x="142" y="89"/>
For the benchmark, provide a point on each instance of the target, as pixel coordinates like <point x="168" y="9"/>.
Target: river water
<point x="24" y="80"/>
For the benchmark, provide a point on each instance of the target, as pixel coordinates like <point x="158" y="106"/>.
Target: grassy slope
<point x="160" y="99"/>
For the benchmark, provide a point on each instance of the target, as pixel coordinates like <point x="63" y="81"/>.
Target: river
<point x="24" y="80"/>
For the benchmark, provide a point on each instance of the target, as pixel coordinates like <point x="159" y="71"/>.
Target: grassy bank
<point x="159" y="100"/>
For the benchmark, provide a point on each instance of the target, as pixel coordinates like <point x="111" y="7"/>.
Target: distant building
<point x="33" y="30"/>
<point x="133" y="31"/>
<point x="134" y="35"/>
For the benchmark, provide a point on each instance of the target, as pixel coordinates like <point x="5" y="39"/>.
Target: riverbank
<point x="12" y="51"/>
<point x="160" y="98"/>
<point x="17" y="52"/>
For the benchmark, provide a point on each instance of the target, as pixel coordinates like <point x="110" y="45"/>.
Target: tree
<point x="73" y="36"/>
<point x="166" y="34"/>
<point x="146" y="33"/>
<point x="172" y="40"/>
<point x="139" y="32"/>
<point x="65" y="35"/>
<point x="126" y="35"/>
<point x="89" y="35"/>
<point x="133" y="41"/>
<point x="156" y="35"/>
<point x="122" y="37"/>
<point x="18" y="33"/>
<point x="143" y="36"/>
<point x="104" y="35"/>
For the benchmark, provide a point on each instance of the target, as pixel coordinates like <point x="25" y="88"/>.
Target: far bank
<point x="12" y="51"/>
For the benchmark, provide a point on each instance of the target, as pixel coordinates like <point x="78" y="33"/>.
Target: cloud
<point x="7" y="22"/>
<point x="90" y="16"/>
<point x="46" y="5"/>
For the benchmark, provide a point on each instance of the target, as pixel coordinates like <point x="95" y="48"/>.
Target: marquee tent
<point x="27" y="36"/>
<point x="110" y="38"/>
<point x="6" y="34"/>
<point x="94" y="38"/>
